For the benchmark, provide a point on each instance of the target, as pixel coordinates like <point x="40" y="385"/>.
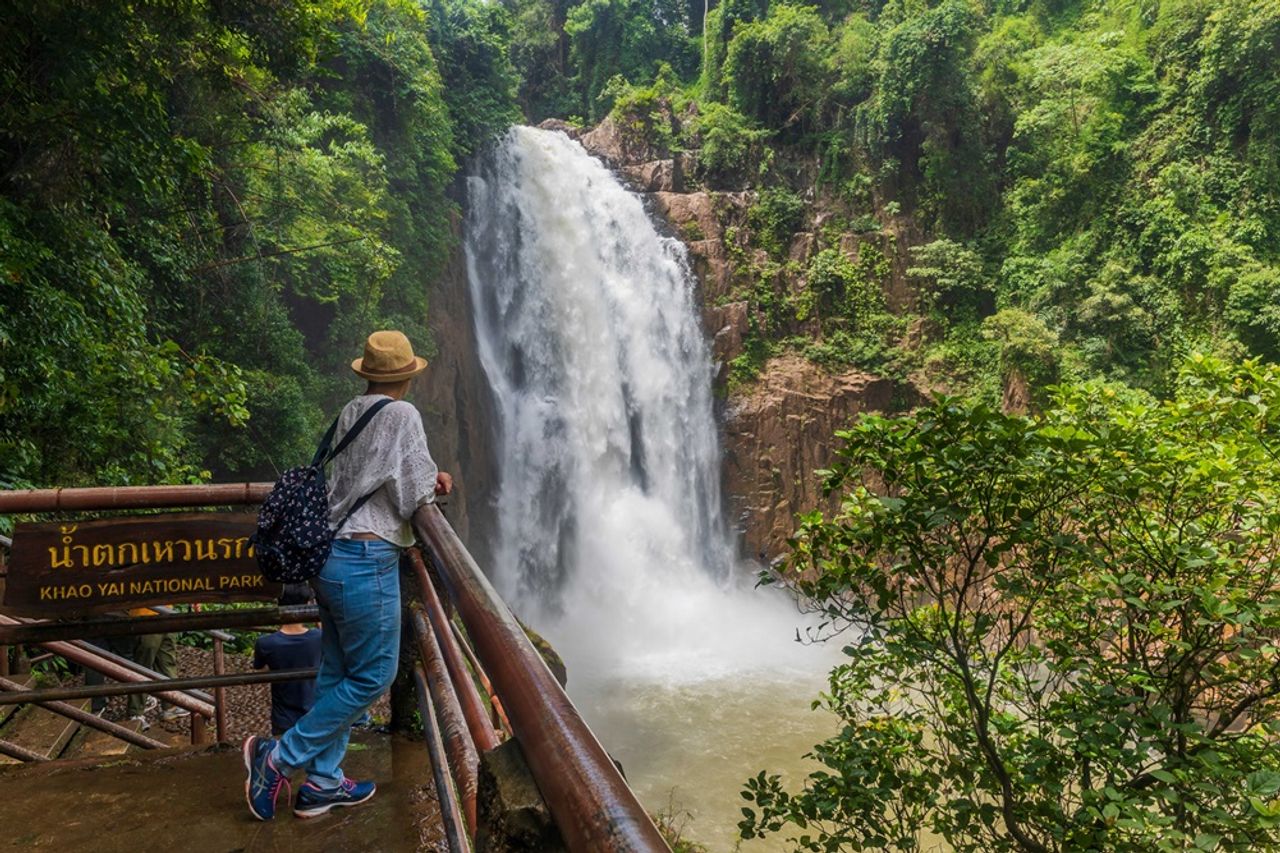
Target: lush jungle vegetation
<point x="1061" y="633"/>
<point x="1085" y="188"/>
<point x="204" y="206"/>
<point x="202" y="203"/>
<point x="1062" y="625"/>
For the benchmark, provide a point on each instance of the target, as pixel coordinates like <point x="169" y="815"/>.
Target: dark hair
<point x="295" y="593"/>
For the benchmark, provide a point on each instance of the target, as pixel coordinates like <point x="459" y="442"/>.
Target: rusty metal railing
<point x="100" y="499"/>
<point x="592" y="805"/>
<point x="594" y="808"/>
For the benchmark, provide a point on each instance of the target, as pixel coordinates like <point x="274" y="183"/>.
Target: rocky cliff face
<point x="777" y="430"/>
<point x="457" y="407"/>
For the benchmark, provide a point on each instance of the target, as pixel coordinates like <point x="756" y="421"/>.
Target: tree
<point x="1063" y="629"/>
<point x="924" y="116"/>
<point x="627" y="38"/>
<point x="775" y="69"/>
<point x="204" y="207"/>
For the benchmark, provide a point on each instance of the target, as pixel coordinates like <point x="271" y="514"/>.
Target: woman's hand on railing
<point x="444" y="483"/>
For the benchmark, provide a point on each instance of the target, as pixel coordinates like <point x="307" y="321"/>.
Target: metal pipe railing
<point x="495" y="701"/>
<point x="591" y="803"/>
<point x="84" y="718"/>
<point x="133" y="497"/>
<point x="219" y="668"/>
<point x="20" y="752"/>
<point x="94" y="659"/>
<point x="482" y="733"/>
<point x="164" y="689"/>
<point x="26" y="631"/>
<point x="219" y="692"/>
<point x="133" y="665"/>
<point x="459" y="749"/>
<point x="454" y="830"/>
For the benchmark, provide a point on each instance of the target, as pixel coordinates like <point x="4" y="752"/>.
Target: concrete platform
<point x="192" y="801"/>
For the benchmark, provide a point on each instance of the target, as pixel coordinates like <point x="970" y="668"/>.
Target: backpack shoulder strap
<point x="357" y="427"/>
<point x="355" y="506"/>
<point x="323" y="450"/>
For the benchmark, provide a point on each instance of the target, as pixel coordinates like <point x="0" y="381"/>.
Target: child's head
<point x="295" y="594"/>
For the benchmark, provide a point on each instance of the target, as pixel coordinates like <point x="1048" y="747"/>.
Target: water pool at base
<point x="688" y="748"/>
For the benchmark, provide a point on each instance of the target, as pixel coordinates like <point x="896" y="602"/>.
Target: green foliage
<point x="1029" y="350"/>
<point x="1253" y="310"/>
<point x="844" y="294"/>
<point x="204" y="210"/>
<point x="726" y="140"/>
<point x="950" y="276"/>
<point x="1063" y="629"/>
<point x="775" y="69"/>
<point x="924" y="115"/>
<point x="625" y="38"/>
<point x="470" y="42"/>
<point x="645" y="115"/>
<point x="538" y="48"/>
<point x="775" y="217"/>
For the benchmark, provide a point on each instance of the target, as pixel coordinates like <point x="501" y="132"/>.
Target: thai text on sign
<point x="64" y="568"/>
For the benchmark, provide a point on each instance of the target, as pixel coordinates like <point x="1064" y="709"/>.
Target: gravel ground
<point x="248" y="706"/>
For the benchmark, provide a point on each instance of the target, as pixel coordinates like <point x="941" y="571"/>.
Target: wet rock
<point x="549" y="655"/>
<point x="693" y="215"/>
<point x="779" y="431"/>
<point x="457" y="408"/>
<point x="730" y="324"/>
<point x="511" y="814"/>
<point x="803" y="247"/>
<point x="710" y="263"/>
<point x="653" y="176"/>
<point x="562" y="126"/>
<point x="617" y="147"/>
<point x="1016" y="399"/>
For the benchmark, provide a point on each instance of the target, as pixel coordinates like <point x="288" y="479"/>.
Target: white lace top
<point x="390" y="459"/>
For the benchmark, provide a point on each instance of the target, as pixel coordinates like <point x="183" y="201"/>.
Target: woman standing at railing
<point x="358" y="590"/>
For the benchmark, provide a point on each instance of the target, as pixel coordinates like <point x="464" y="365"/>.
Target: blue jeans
<point x="358" y="592"/>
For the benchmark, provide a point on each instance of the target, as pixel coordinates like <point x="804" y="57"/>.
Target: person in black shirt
<point x="294" y="646"/>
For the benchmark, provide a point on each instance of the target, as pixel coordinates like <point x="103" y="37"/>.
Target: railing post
<point x="219" y="693"/>
<point x="403" y="692"/>
<point x="199" y="734"/>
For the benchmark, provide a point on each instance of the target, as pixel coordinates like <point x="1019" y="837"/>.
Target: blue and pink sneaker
<point x="314" y="801"/>
<point x="262" y="787"/>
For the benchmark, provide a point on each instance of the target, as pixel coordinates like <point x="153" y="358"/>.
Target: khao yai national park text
<point x="640" y="426"/>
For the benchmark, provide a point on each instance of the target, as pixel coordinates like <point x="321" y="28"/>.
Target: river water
<point x="611" y="537"/>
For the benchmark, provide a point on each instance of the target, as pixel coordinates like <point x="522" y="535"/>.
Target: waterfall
<point x="610" y="529"/>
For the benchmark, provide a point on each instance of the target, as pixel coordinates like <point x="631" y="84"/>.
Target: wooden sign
<point x="65" y="569"/>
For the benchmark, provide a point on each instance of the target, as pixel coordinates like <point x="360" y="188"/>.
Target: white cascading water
<point x="610" y="533"/>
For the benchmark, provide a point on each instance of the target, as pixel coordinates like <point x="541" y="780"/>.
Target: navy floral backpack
<point x="293" y="537"/>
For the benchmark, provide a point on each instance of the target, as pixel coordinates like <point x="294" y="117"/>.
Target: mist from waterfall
<point x="610" y="531"/>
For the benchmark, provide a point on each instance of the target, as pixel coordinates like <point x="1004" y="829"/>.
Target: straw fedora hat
<point x="388" y="357"/>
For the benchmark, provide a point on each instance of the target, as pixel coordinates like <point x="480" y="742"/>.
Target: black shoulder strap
<point x="324" y="458"/>
<point x="355" y="506"/>
<point x="323" y="449"/>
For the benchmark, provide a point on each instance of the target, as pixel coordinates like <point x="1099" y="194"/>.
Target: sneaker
<point x="174" y="713"/>
<point x="314" y="801"/>
<point x="263" y="784"/>
<point x="141" y="720"/>
<point x="152" y="704"/>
